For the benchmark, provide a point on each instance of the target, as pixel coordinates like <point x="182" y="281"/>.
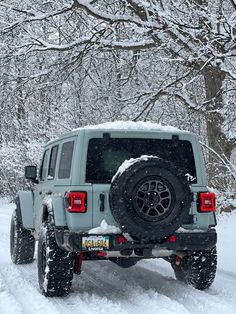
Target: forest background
<point x="66" y="64"/>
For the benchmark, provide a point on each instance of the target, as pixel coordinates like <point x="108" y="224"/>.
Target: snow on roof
<point x="126" y="126"/>
<point x="131" y="125"/>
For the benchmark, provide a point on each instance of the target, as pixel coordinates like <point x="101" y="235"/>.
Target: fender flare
<point x="54" y="206"/>
<point x="26" y="207"/>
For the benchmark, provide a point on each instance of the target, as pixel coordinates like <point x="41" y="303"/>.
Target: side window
<point x="43" y="169"/>
<point x="52" y="163"/>
<point x="65" y="160"/>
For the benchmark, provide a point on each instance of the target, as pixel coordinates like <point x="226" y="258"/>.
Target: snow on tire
<point x="150" y="199"/>
<point x="197" y="269"/>
<point x="22" y="243"/>
<point x="55" y="266"/>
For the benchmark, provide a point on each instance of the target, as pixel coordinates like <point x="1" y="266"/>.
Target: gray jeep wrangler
<point x="120" y="192"/>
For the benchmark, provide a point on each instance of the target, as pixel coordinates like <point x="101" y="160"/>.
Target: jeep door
<point x="41" y="189"/>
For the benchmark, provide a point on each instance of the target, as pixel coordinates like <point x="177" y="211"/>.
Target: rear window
<point x="65" y="160"/>
<point x="106" y="155"/>
<point x="43" y="168"/>
<point x="52" y="163"/>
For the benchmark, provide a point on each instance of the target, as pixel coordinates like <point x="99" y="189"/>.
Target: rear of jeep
<point x="131" y="195"/>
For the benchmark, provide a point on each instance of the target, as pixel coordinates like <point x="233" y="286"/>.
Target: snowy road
<point x="149" y="287"/>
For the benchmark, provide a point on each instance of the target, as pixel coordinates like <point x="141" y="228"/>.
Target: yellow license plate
<point x="93" y="243"/>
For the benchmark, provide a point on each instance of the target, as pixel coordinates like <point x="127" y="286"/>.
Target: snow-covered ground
<point x="149" y="287"/>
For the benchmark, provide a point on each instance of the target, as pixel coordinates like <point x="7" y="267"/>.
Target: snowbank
<point x="226" y="231"/>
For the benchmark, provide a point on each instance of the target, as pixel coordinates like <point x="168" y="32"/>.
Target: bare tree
<point x="92" y="61"/>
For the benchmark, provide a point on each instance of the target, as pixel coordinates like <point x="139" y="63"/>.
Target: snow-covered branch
<point x="30" y="16"/>
<point x="161" y="92"/>
<point x="224" y="160"/>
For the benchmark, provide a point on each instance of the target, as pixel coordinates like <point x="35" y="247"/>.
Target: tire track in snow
<point x="19" y="281"/>
<point x="103" y="287"/>
<point x="224" y="285"/>
<point x="29" y="298"/>
<point x="141" y="281"/>
<point x="227" y="274"/>
<point x="132" y="297"/>
<point x="7" y="298"/>
<point x="212" y="300"/>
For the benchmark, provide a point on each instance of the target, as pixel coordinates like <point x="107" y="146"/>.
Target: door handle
<point x="102" y="202"/>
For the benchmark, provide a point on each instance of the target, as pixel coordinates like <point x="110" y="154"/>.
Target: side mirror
<point x="31" y="173"/>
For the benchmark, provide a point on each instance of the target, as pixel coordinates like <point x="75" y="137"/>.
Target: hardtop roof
<point x="124" y="126"/>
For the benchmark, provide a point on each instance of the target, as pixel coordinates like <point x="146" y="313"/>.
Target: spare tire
<point x="150" y="199"/>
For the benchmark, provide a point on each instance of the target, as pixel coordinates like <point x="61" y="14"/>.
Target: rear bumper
<point x="184" y="241"/>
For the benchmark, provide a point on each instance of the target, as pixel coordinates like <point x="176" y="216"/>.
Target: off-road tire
<point x="55" y="266"/>
<point x="22" y="243"/>
<point x="124" y="262"/>
<point x="169" y="184"/>
<point x="197" y="269"/>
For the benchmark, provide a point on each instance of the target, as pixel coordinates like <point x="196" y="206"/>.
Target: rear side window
<point x="65" y="160"/>
<point x="43" y="169"/>
<point x="52" y="163"/>
<point x="106" y="155"/>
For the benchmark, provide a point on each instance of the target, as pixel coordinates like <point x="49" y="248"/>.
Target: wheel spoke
<point x="152" y="211"/>
<point x="153" y="198"/>
<point x="160" y="209"/>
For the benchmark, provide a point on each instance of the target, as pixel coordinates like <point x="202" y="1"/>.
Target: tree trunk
<point x="217" y="140"/>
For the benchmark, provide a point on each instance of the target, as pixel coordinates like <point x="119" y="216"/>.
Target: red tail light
<point x="76" y="202"/>
<point x="206" y="202"/>
<point x="172" y="239"/>
<point x="101" y="254"/>
<point x="121" y="239"/>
